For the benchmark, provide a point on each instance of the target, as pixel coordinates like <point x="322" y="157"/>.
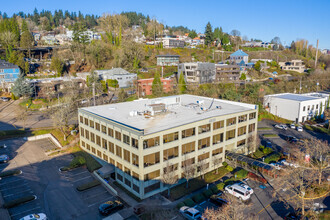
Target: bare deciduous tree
<point x="22" y="115"/>
<point x="216" y="161"/>
<point x="169" y="176"/>
<point x="188" y="169"/>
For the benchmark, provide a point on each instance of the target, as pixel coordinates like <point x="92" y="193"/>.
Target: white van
<point x="238" y="191"/>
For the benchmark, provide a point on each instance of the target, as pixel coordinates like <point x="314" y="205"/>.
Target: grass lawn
<point x="270" y="135"/>
<point x="212" y="176"/>
<point x="91" y="163"/>
<point x="12" y="134"/>
<point x="264" y="128"/>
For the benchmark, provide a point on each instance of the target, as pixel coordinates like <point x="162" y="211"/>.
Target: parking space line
<point x="13" y="187"/>
<point x="29" y="210"/>
<point x="79" y="173"/>
<point x="95" y="195"/>
<point x="101" y="202"/>
<point x="18" y="192"/>
<point x="264" y="208"/>
<point x="81" y="179"/>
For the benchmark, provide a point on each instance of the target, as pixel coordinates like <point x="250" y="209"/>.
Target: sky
<point x="261" y="19"/>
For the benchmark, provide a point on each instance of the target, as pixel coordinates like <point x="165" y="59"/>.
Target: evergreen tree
<point x="192" y="34"/>
<point x="208" y="34"/>
<point x="182" y="84"/>
<point x="157" y="86"/>
<point x="27" y="41"/>
<point x="57" y="65"/>
<point x="21" y="87"/>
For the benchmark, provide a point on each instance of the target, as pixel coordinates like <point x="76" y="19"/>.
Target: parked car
<point x="110" y="207"/>
<point x="282" y="127"/>
<point x="246" y="186"/>
<point x="291" y="139"/>
<point x="4" y="99"/>
<point x="299" y="128"/>
<point x="285" y="127"/>
<point x="238" y="191"/>
<point x="39" y="216"/>
<point x="4" y="158"/>
<point x="215" y="199"/>
<point x="276" y="166"/>
<point x="190" y="213"/>
<point x="293" y="126"/>
<point x="269" y="144"/>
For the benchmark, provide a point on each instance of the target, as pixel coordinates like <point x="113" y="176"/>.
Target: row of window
<point x="309" y="107"/>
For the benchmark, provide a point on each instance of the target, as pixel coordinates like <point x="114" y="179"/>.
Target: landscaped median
<point x="19" y="201"/>
<point x="10" y="173"/>
<point x="82" y="158"/>
<point x="88" y="185"/>
<point x="270" y="135"/>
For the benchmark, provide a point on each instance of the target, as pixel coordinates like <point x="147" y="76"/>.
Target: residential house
<point x="197" y="72"/>
<point x="8" y="73"/>
<point x="125" y="79"/>
<point x="145" y="85"/>
<point x="168" y="60"/>
<point x="293" y="65"/>
<point x="172" y="43"/>
<point x="239" y="57"/>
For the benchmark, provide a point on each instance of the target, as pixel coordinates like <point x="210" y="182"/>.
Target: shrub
<point x="78" y="161"/>
<point x="214" y="189"/>
<point x="220" y="186"/>
<point x="272" y="158"/>
<point x="267" y="150"/>
<point x="229" y="181"/>
<point x="229" y="168"/>
<point x="241" y="174"/>
<point x="18" y="201"/>
<point x="198" y="198"/>
<point x="88" y="185"/>
<point x="10" y="173"/>
<point x="224" y="163"/>
<point x="261" y="147"/>
<point x="189" y="202"/>
<point x="207" y="193"/>
<point x="179" y="205"/>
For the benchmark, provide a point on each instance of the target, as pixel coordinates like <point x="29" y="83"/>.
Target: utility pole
<point x="317" y="49"/>
<point x="300" y="86"/>
<point x="94" y="93"/>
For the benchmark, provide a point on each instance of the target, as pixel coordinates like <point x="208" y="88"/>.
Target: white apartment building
<point x="293" y="65"/>
<point x="172" y="43"/>
<point x="294" y="107"/>
<point x="142" y="137"/>
<point x="197" y="72"/>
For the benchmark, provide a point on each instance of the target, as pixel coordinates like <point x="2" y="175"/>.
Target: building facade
<point x="239" y="57"/>
<point x="145" y="86"/>
<point x="197" y="72"/>
<point x="172" y="43"/>
<point x="293" y="65"/>
<point x="143" y="137"/>
<point x="168" y="60"/>
<point x="294" y="107"/>
<point x="225" y="72"/>
<point x="125" y="79"/>
<point x="8" y="73"/>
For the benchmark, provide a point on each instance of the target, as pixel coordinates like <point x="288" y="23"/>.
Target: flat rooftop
<point x="179" y="110"/>
<point x="296" y="97"/>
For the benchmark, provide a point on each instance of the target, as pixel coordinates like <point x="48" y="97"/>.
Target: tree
<point x="112" y="83"/>
<point x="21" y="87"/>
<point x="243" y="76"/>
<point x="182" y="84"/>
<point x="169" y="176"/>
<point x="7" y="40"/>
<point x="57" y="65"/>
<point x="257" y="66"/>
<point x="208" y="34"/>
<point x="188" y="169"/>
<point x="122" y="95"/>
<point x="276" y="40"/>
<point x="235" y="33"/>
<point x="192" y="34"/>
<point x="201" y="168"/>
<point x="132" y="51"/>
<point x="22" y="115"/>
<point x="27" y="41"/>
<point x="157" y="86"/>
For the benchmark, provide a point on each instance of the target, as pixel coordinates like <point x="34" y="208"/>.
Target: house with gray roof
<point x="239" y="57"/>
<point x="8" y="73"/>
<point x="125" y="79"/>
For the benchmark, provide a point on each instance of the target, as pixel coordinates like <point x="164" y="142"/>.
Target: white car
<point x="246" y="186"/>
<point x="283" y="127"/>
<point x="238" y="191"/>
<point x="299" y="128"/>
<point x="293" y="126"/>
<point x="190" y="213"/>
<point x="39" y="216"/>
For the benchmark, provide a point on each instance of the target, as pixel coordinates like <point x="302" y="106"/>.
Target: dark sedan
<point x="218" y="201"/>
<point x="4" y="158"/>
<point x="110" y="207"/>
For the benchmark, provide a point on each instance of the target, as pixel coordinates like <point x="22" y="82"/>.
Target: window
<point x="81" y="119"/>
<point x="119" y="166"/>
<point x="218" y="124"/>
<point x="127" y="156"/>
<point x="171" y="168"/>
<point x="91" y="123"/>
<point x="118" y="151"/>
<point x="86" y="121"/>
<point x="93" y="150"/>
<point x="97" y="126"/>
<point x="110" y="132"/>
<point x="93" y="137"/>
<point x="231" y="121"/>
<point x="188" y="162"/>
<point x="83" y="144"/>
<point x="241" y="131"/>
<point x="105" y="157"/>
<point x="252" y="115"/>
<point x="135" y="143"/>
<point x="203" y="156"/>
<point x="204" y="128"/>
<point x="308" y="108"/>
<point x="203" y="143"/>
<point x="135" y="160"/>
<point x="151" y="142"/>
<point x="170" y="137"/>
<point x="188" y="132"/>
<point x="128" y="171"/>
<point x="135" y="175"/>
<point x="104" y="129"/>
<point x="252" y="127"/>
<point x="98" y="140"/>
<point x="312" y="107"/>
<point x="82" y="132"/>
<point x="118" y="135"/>
<point x="104" y="144"/>
<point x="304" y="108"/>
<point x="240" y="143"/>
<point x="152" y="175"/>
<point x="230" y="134"/>
<point x="218" y="138"/>
<point x="126" y="139"/>
<point x="317" y="106"/>
<point x="88" y="147"/>
<point x="242" y="118"/>
<point x="151" y="159"/>
<point x="112" y="161"/>
<point x="217" y="151"/>
<point x="111" y="147"/>
<point x="171" y="153"/>
<point x="189" y="147"/>
<point x="87" y="134"/>
<point x="99" y="154"/>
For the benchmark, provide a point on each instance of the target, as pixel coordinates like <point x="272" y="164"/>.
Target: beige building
<point x="142" y="137"/>
<point x="293" y="65"/>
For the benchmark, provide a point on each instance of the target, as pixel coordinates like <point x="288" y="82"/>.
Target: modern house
<point x="239" y="57"/>
<point x="172" y="43"/>
<point x="125" y="79"/>
<point x="185" y="133"/>
<point x="293" y="65"/>
<point x="8" y="73"/>
<point x="225" y="72"/>
<point x="294" y="107"/>
<point x="197" y="72"/>
<point x="168" y="60"/>
<point x="145" y="86"/>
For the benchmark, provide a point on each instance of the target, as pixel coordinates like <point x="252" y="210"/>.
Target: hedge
<point x="256" y="178"/>
<point x="198" y="198"/>
<point x="76" y="162"/>
<point x="229" y="168"/>
<point x="88" y="185"/>
<point x="10" y="173"/>
<point x="229" y="181"/>
<point x="241" y="174"/>
<point x="224" y="163"/>
<point x="220" y="186"/>
<point x="179" y="205"/>
<point x="18" y="201"/>
<point x="214" y="189"/>
<point x="207" y="193"/>
<point x="189" y="202"/>
<point x="273" y="157"/>
<point x="267" y="150"/>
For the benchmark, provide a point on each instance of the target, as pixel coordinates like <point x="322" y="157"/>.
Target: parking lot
<point x="56" y="192"/>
